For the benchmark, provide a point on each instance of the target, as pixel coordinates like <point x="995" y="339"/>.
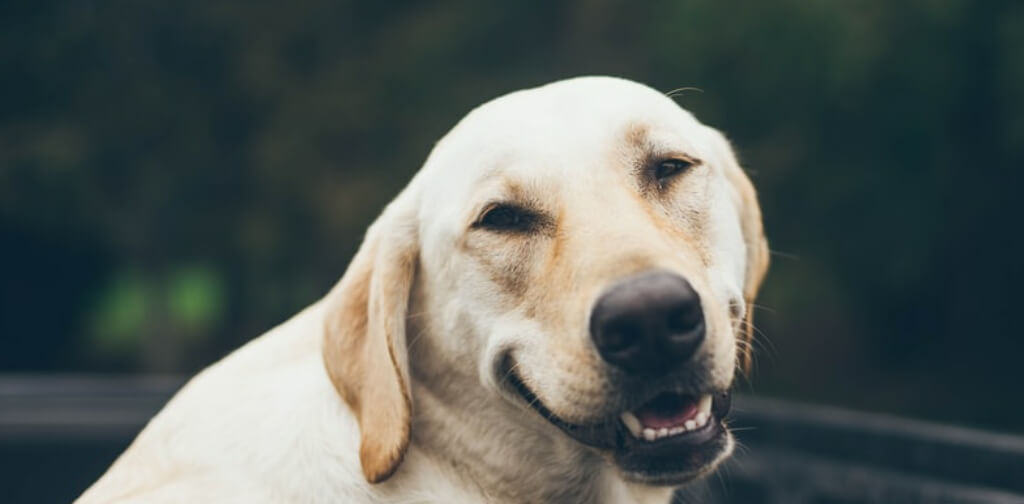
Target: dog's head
<point x="590" y="251"/>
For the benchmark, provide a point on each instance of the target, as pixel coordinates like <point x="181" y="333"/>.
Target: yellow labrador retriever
<point x="551" y="311"/>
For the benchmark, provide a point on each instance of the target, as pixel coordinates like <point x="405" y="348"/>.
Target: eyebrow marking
<point x="637" y="137"/>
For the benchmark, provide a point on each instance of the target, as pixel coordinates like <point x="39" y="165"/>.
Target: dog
<point x="552" y="310"/>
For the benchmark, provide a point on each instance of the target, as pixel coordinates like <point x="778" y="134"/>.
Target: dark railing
<point x="800" y="454"/>
<point x="58" y="434"/>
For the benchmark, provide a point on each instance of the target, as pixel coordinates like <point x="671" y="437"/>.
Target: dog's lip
<point x="602" y="434"/>
<point x="612" y="434"/>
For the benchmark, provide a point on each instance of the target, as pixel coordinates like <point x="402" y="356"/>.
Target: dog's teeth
<point x="704" y="406"/>
<point x="699" y="420"/>
<point x="631" y="423"/>
<point x="702" y="419"/>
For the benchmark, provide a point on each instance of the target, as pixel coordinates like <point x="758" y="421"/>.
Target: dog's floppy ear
<point x="757" y="256"/>
<point x="364" y="346"/>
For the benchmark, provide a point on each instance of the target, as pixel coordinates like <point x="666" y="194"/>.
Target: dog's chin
<point x="669" y="440"/>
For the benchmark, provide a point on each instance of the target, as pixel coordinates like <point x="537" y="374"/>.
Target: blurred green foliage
<point x="175" y="178"/>
<point x="119" y="316"/>
<point x="186" y="306"/>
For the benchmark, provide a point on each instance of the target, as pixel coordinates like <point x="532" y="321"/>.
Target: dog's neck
<point x="505" y="453"/>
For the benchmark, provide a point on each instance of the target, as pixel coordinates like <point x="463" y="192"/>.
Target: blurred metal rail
<point x="796" y="453"/>
<point x="59" y="433"/>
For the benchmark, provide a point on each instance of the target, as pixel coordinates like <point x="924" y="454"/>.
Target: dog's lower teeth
<point x="700" y="420"/>
<point x="652" y="434"/>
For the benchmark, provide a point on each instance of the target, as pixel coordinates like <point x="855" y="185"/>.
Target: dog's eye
<point x="668" y="168"/>
<point x="506" y="218"/>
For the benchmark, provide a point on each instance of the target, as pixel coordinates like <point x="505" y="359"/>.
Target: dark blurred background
<point x="178" y="177"/>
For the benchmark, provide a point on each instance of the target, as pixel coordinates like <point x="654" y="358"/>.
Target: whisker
<point x="508" y="372"/>
<point x="759" y="338"/>
<point x="679" y="91"/>
<point x="415" y="338"/>
<point x="784" y="255"/>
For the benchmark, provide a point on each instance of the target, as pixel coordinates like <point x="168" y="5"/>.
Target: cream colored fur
<point x="388" y="391"/>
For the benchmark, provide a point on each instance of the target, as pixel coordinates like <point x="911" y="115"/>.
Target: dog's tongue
<point x="667" y="410"/>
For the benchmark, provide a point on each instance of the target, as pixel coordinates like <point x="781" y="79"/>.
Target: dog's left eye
<point x="668" y="168"/>
<point x="506" y="218"/>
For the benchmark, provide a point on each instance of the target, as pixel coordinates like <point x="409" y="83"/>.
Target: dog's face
<point x="590" y="250"/>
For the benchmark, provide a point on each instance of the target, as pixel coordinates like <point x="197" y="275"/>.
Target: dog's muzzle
<point x="667" y="439"/>
<point x="648" y="327"/>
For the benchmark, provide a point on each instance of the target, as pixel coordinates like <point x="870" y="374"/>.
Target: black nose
<point x="648" y="323"/>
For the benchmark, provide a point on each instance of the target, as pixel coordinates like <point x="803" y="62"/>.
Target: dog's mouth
<point x="667" y="415"/>
<point x="669" y="439"/>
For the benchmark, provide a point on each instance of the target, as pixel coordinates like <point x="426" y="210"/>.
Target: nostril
<point x="618" y="335"/>
<point x="687" y="318"/>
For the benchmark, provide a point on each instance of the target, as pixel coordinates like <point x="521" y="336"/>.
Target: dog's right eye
<point x="502" y="217"/>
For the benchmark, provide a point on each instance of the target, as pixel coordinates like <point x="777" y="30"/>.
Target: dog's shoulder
<point x="264" y="424"/>
<point x="265" y="417"/>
